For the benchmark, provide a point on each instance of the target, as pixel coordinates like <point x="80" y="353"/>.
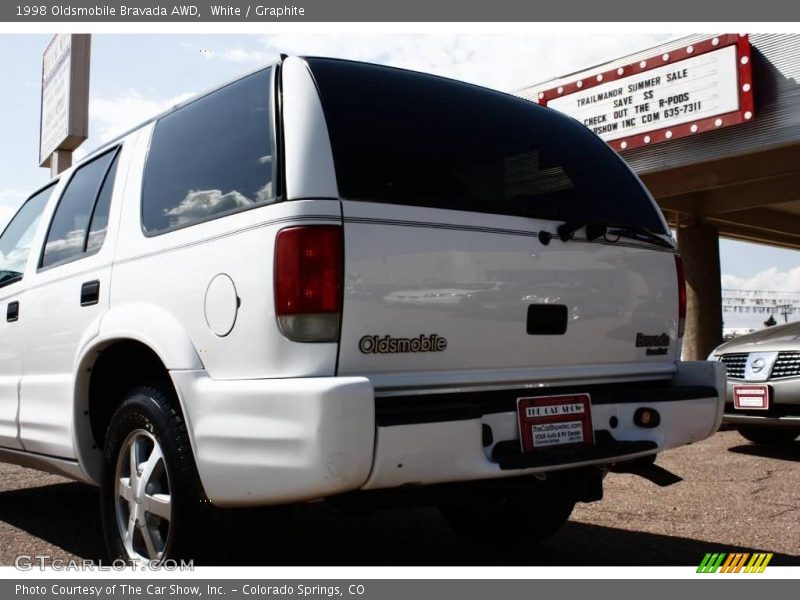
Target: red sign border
<point x="738" y="406"/>
<point x="525" y="437"/>
<point x="745" y="113"/>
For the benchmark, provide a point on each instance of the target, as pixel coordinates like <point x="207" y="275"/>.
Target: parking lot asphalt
<point x="735" y="497"/>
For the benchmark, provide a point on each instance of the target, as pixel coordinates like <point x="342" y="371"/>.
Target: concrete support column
<point x="699" y="247"/>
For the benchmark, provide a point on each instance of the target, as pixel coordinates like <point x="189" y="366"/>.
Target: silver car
<point x="763" y="392"/>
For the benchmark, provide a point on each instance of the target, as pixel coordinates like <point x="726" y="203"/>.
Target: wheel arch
<point x="149" y="335"/>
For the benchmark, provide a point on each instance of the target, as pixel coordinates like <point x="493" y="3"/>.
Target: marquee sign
<point x="705" y="86"/>
<point x="65" y="95"/>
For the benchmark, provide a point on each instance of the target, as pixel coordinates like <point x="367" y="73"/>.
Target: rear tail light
<point x="681" y="294"/>
<point x="308" y="282"/>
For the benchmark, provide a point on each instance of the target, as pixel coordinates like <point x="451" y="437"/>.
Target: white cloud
<point x="114" y="115"/>
<point x="11" y="196"/>
<point x="6" y="212"/>
<point x="265" y="194"/>
<point x="16" y="259"/>
<point x="239" y="55"/>
<point x="59" y="249"/>
<point x="10" y="201"/>
<point x="768" y="279"/>
<point x="198" y="205"/>
<point x="506" y="62"/>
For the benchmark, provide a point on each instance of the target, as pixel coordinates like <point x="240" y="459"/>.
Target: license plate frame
<point x="756" y="397"/>
<point x="559" y="421"/>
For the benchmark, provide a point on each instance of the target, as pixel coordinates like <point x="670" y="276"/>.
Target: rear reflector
<point x="646" y="418"/>
<point x="681" y="294"/>
<point x="308" y="282"/>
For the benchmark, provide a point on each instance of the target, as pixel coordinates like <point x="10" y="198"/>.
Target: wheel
<point x="769" y="436"/>
<point x="152" y="502"/>
<point x="509" y="519"/>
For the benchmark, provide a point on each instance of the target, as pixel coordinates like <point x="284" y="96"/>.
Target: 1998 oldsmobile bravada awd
<point x="330" y="279"/>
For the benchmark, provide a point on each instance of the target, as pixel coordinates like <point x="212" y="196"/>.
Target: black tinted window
<point x="408" y="138"/>
<point x="99" y="224"/>
<point x="66" y="239"/>
<point x="15" y="243"/>
<point x="210" y="158"/>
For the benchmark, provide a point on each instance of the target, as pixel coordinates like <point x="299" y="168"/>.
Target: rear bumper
<point x="480" y="444"/>
<point x="276" y="441"/>
<point x="784" y="409"/>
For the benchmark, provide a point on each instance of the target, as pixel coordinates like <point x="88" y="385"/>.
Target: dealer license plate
<point x="751" y="397"/>
<point x="555" y="421"/>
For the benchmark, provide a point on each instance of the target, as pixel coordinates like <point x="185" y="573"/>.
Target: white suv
<point x="332" y="279"/>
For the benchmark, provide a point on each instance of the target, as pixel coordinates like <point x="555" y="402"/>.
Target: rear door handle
<point x="12" y="312"/>
<point x="90" y="293"/>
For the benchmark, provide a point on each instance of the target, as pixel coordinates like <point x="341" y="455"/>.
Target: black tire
<point x="509" y="519"/>
<point x="769" y="436"/>
<point x="151" y="412"/>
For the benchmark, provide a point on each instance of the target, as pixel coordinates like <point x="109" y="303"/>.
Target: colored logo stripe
<point x="758" y="563"/>
<point x="734" y="563"/>
<point x="711" y="563"/>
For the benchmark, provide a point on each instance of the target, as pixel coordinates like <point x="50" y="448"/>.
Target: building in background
<point x="711" y="123"/>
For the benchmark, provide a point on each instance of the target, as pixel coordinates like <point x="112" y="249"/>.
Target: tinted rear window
<point x="407" y="138"/>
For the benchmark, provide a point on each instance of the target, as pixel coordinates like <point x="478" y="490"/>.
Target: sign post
<point x="65" y="100"/>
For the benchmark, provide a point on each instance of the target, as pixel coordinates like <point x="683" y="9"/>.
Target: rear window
<point x="408" y="138"/>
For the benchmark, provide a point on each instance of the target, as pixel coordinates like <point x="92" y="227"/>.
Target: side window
<point x="15" y="243"/>
<point x="69" y="233"/>
<point x="211" y="158"/>
<point x="99" y="224"/>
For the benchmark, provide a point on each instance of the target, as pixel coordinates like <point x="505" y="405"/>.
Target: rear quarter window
<point x="211" y="158"/>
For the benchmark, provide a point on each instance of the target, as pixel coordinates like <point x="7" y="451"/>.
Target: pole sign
<point x="701" y="87"/>
<point x="65" y="95"/>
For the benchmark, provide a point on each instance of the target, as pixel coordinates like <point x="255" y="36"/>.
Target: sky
<point x="136" y="76"/>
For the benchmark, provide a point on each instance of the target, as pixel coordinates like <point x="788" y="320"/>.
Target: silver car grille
<point x="787" y="365"/>
<point x="735" y="364"/>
